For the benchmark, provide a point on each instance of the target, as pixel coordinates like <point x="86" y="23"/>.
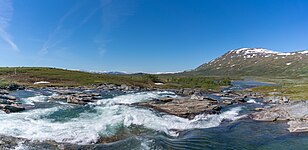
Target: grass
<point x="293" y="88"/>
<point x="61" y="77"/>
<point x="3" y="83"/>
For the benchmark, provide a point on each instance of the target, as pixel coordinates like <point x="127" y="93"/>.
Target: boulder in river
<point x="276" y="99"/>
<point x="83" y="98"/>
<point x="296" y="114"/>
<point x="13" y="108"/>
<point x="14" y="87"/>
<point x="8" y="97"/>
<point x="3" y="92"/>
<point x="186" y="108"/>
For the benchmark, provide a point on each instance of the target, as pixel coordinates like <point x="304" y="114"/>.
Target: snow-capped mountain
<point x="257" y="61"/>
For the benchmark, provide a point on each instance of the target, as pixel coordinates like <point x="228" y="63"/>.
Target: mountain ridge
<point x="256" y="62"/>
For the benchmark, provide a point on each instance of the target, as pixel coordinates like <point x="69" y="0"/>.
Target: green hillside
<point x="60" y="77"/>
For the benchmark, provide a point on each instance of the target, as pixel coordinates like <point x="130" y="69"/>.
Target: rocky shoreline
<point x="294" y="113"/>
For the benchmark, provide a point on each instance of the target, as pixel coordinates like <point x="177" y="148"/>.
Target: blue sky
<point x="144" y="35"/>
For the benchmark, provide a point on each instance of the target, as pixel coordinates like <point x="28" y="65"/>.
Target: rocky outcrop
<point x="122" y="87"/>
<point x="8" y="103"/>
<point x="76" y="97"/>
<point x="186" y="108"/>
<point x="12" y="87"/>
<point x="12" y="108"/>
<point x="296" y="114"/>
<point x="83" y="98"/>
<point x="276" y="99"/>
<point x="4" y="92"/>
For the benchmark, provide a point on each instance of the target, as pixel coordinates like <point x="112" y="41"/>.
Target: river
<point x="131" y="127"/>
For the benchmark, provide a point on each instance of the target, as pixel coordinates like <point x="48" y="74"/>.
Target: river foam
<point x="104" y="119"/>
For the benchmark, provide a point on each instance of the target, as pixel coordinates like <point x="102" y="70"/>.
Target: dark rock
<point x="259" y="109"/>
<point x="8" y="97"/>
<point x="12" y="109"/>
<point x="239" y="99"/>
<point x="14" y="87"/>
<point x="5" y="101"/>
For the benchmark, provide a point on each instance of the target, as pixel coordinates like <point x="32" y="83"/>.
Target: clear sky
<point x="144" y="35"/>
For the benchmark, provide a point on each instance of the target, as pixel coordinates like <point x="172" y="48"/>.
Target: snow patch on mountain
<point x="253" y="52"/>
<point x="303" y="52"/>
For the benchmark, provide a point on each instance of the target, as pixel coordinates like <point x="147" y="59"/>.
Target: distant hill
<point x="256" y="62"/>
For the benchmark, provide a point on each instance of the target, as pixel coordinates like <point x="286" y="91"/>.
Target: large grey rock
<point x="187" y="91"/>
<point x="298" y="125"/>
<point x="3" y="92"/>
<point x="197" y="96"/>
<point x="295" y="113"/>
<point x="83" y="98"/>
<point x="276" y="99"/>
<point x="59" y="97"/>
<point x="186" y="108"/>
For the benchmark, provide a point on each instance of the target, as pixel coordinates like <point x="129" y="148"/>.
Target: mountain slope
<point x="256" y="62"/>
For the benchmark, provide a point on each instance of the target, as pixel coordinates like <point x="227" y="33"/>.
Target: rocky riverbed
<point x="89" y="117"/>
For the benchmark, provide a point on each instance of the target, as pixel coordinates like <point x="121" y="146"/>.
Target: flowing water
<point x="142" y="128"/>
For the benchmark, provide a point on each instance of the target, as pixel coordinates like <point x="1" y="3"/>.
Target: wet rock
<point x="187" y="91"/>
<point x="273" y="114"/>
<point x="4" y="92"/>
<point x="197" y="96"/>
<point x="165" y="100"/>
<point x="276" y="100"/>
<point x="8" y="97"/>
<point x="96" y="96"/>
<point x="13" y="108"/>
<point x="295" y="113"/>
<point x="239" y="100"/>
<point x="5" y="101"/>
<point x="59" y="97"/>
<point x="11" y="143"/>
<point x="186" y="108"/>
<point x="227" y="102"/>
<point x="83" y="98"/>
<point x="8" y="143"/>
<point x="67" y="92"/>
<point x="14" y="87"/>
<point x="298" y="125"/>
<point x="259" y="109"/>
<point x="227" y="98"/>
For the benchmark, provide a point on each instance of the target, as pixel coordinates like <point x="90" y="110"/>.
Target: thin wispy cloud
<point x="6" y="13"/>
<point x="114" y="12"/>
<point x="62" y="32"/>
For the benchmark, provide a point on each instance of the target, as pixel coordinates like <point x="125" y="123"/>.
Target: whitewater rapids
<point x="86" y="124"/>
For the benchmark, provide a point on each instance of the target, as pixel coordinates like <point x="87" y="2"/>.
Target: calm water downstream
<point x="141" y="128"/>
